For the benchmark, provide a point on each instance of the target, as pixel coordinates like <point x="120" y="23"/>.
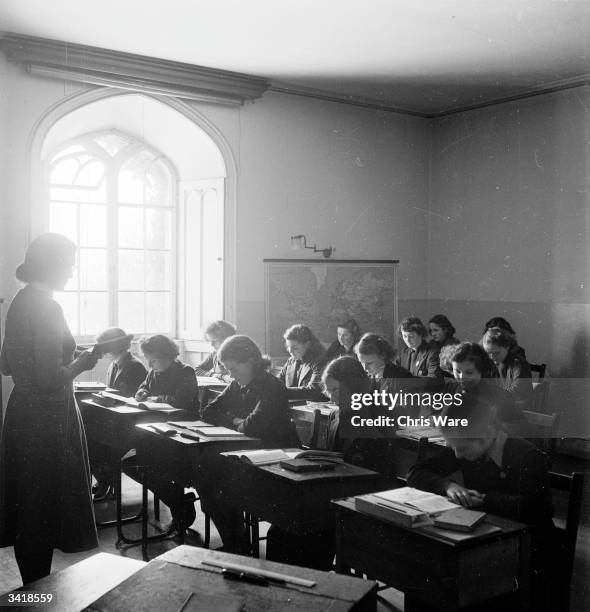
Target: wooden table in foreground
<point x="166" y="582"/>
<point x="296" y="502"/>
<point x="430" y="570"/>
<point x="76" y="587"/>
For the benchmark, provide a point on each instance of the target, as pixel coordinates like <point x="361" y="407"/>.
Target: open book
<point x="131" y="401"/>
<point x="275" y="455"/>
<point x="406" y="506"/>
<point x="210" y="381"/>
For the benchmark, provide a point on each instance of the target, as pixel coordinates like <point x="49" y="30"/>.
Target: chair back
<point x="567" y="536"/>
<point x="307" y="424"/>
<point x="539" y="369"/>
<point x="541" y="395"/>
<point x="315" y="424"/>
<point x="541" y="430"/>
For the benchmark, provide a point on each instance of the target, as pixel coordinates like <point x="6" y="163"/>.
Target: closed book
<point x="217" y="432"/>
<point x="390" y="511"/>
<point x="460" y="519"/>
<point x="305" y="465"/>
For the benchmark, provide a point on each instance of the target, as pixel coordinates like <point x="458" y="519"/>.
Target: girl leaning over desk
<point x="45" y="496"/>
<point x="254" y="403"/>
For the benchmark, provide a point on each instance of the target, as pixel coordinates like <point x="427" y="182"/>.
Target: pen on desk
<point x="190" y="436"/>
<point x="185" y="602"/>
<point x="245" y="576"/>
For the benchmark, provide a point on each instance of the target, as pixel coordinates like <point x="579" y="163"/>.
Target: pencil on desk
<point x="185" y="602"/>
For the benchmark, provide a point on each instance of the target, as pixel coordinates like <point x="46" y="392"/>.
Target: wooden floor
<point x="10" y="577"/>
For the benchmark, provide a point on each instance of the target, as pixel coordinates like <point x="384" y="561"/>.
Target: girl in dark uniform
<point x="349" y="333"/>
<point x="302" y="373"/>
<point x="45" y="497"/>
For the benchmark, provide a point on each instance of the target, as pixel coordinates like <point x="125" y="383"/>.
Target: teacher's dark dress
<point x="45" y="498"/>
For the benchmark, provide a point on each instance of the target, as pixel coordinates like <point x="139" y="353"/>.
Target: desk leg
<point x="144" y="520"/>
<point x="118" y="505"/>
<point x="340" y="567"/>
<point x="524" y="586"/>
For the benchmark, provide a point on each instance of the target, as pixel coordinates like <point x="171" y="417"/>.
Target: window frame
<point x="113" y="165"/>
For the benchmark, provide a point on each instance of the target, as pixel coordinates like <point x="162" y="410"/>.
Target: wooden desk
<point x="433" y="571"/>
<point x="178" y="460"/>
<point x="77" y="586"/>
<point x="115" y="426"/>
<point x="296" y="502"/>
<point x="164" y="584"/>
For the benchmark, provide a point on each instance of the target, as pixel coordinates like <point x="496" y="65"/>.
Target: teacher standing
<point x="45" y="492"/>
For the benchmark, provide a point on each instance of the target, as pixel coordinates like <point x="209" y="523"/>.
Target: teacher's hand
<point x="86" y="360"/>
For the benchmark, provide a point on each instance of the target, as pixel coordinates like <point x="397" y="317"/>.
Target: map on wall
<point x="322" y="293"/>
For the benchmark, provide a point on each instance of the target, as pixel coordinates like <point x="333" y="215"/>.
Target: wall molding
<point x="127" y="71"/>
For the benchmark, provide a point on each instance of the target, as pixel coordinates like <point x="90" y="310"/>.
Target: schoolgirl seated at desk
<point x="419" y="356"/>
<point x="513" y="372"/>
<point x="376" y="356"/>
<point x="255" y="403"/>
<point x="124" y="374"/>
<point x="348" y="334"/>
<point x="169" y="380"/>
<point x="172" y="382"/>
<point x="501" y="475"/>
<point x="215" y="333"/>
<point x="474" y="374"/>
<point x="302" y="374"/>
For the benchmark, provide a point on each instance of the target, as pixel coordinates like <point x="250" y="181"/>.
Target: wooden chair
<point x="541" y="430"/>
<point x="541" y="395"/>
<point x="539" y="369"/>
<point x="307" y="424"/>
<point x="567" y="536"/>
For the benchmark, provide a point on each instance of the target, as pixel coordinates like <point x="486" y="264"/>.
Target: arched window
<point x="114" y="196"/>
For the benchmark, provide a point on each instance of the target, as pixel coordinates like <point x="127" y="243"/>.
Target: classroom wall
<point x="348" y="177"/>
<point x="509" y="210"/>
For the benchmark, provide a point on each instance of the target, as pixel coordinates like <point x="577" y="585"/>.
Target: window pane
<point x="111" y="143"/>
<point x="63" y="219"/>
<point x="130" y="227"/>
<point x="157" y="270"/>
<point x="131" y="312"/>
<point x="157" y="228"/>
<point x="93" y="225"/>
<point x="69" y="304"/>
<point x="68" y="151"/>
<point x="80" y="194"/>
<point x="64" y="172"/>
<point x="131" y="270"/>
<point x="93" y="313"/>
<point x="158" y="312"/>
<point x="131" y="184"/>
<point x="91" y="173"/>
<point x="157" y="189"/>
<point x="93" y="269"/>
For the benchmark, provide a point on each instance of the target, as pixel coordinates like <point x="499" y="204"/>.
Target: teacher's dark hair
<point x="45" y="255"/>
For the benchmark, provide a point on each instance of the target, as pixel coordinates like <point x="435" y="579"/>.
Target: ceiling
<point x="425" y="56"/>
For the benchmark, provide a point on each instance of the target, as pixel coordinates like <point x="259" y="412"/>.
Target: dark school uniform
<point x="127" y="375"/>
<point x="303" y="378"/>
<point x="176" y="386"/>
<point x="336" y="350"/>
<point x="423" y="361"/>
